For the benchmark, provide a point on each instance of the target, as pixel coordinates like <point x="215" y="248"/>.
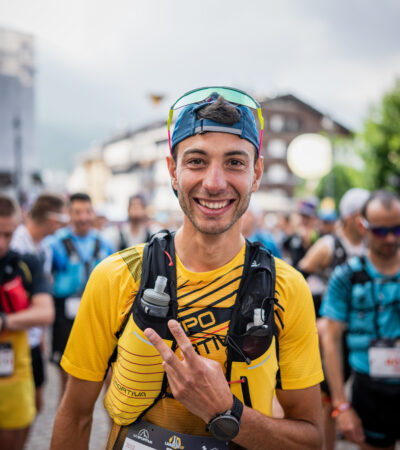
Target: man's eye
<point x="236" y="163"/>
<point x="195" y="162"/>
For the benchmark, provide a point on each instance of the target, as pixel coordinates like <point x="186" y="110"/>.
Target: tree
<point x="339" y="180"/>
<point x="381" y="143"/>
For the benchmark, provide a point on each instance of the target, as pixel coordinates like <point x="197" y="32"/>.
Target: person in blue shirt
<point x="253" y="233"/>
<point x="76" y="250"/>
<point x="363" y="296"/>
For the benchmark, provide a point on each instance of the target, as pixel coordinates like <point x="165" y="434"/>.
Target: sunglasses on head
<point x="230" y="94"/>
<point x="381" y="231"/>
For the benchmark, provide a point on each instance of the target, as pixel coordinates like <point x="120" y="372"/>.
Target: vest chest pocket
<point x="255" y="383"/>
<point x="13" y="296"/>
<point x="362" y="298"/>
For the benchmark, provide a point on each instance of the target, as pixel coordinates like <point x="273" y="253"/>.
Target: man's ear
<point x="258" y="172"/>
<point x="171" y="164"/>
<point x="360" y="225"/>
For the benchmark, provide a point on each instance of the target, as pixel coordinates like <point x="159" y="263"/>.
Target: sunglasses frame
<point x="256" y="106"/>
<point x="385" y="230"/>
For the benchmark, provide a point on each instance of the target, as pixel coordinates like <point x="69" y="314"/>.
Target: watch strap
<point x="237" y="408"/>
<point x="236" y="411"/>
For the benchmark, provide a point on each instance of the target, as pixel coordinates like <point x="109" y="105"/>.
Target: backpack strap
<point x="339" y="252"/>
<point x="360" y="276"/>
<point x="256" y="290"/>
<point x="122" y="244"/>
<point x="97" y="248"/>
<point x="69" y="247"/>
<point x="158" y="259"/>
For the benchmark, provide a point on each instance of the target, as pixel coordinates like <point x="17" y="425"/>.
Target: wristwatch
<point x="225" y="426"/>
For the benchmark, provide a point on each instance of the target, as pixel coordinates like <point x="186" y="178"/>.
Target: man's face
<point x="378" y="216"/>
<point x="137" y="210"/>
<point x="55" y="220"/>
<point x="82" y="217"/>
<point x="214" y="175"/>
<point x="7" y="228"/>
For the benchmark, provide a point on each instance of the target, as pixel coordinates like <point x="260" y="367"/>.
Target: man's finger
<point x="183" y="341"/>
<point x="166" y="353"/>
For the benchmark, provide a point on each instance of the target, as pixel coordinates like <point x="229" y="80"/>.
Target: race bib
<point x="147" y="436"/>
<point x="384" y="358"/>
<point x="71" y="307"/>
<point x="6" y="359"/>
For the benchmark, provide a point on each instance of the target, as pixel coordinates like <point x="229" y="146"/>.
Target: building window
<point x="276" y="123"/>
<point x="276" y="174"/>
<point x="276" y="148"/>
<point x="292" y="124"/>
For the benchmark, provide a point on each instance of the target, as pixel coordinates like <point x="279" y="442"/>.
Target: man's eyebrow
<point x="191" y="151"/>
<point x="238" y="153"/>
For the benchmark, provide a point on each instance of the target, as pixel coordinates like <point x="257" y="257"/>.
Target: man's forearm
<point x="69" y="432"/>
<point x="29" y="317"/>
<point x="259" y="432"/>
<point x="333" y="365"/>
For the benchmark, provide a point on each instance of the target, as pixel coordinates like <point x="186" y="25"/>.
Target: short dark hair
<point x="79" y="196"/>
<point x="220" y="111"/>
<point x="139" y="197"/>
<point x="386" y="198"/>
<point x="8" y="206"/>
<point x="44" y="204"/>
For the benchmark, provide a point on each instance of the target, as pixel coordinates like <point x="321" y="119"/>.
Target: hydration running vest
<point x="72" y="280"/>
<point x="138" y="379"/>
<point x="366" y="307"/>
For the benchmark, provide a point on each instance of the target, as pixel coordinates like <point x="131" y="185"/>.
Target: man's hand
<point x="198" y="383"/>
<point x="349" y="424"/>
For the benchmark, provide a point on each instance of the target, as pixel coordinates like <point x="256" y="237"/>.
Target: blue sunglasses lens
<point x="384" y="231"/>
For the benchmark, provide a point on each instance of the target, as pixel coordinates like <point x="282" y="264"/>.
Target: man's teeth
<point x="214" y="205"/>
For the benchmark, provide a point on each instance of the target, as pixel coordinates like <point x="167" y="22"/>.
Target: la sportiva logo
<point x="175" y="443"/>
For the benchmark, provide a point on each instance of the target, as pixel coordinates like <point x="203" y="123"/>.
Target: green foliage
<point x="381" y="143"/>
<point x="339" y="180"/>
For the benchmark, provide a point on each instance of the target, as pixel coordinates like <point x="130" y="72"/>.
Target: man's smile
<point x="214" y="204"/>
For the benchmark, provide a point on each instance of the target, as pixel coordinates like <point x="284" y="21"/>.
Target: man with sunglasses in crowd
<point x="363" y="297"/>
<point x="195" y="381"/>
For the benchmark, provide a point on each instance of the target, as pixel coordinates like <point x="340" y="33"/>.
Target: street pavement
<point x="40" y="435"/>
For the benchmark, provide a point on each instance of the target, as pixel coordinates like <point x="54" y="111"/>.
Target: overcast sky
<point x="97" y="61"/>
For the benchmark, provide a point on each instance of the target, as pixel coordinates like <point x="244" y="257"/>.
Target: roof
<point x="292" y="98"/>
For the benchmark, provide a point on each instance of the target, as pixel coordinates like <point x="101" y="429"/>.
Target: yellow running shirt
<point x="204" y="301"/>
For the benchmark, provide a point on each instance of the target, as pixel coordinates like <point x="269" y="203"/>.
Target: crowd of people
<point x="200" y="333"/>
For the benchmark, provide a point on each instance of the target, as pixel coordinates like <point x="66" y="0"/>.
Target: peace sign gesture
<point x="197" y="382"/>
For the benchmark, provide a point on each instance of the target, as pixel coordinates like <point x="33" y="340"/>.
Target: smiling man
<point x="76" y="250"/>
<point x="201" y="327"/>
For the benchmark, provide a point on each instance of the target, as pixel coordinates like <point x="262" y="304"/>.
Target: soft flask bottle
<point x="155" y="302"/>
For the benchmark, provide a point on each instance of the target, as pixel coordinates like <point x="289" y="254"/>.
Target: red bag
<point x="13" y="296"/>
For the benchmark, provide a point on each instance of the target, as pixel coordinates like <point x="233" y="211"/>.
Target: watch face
<point x="224" y="428"/>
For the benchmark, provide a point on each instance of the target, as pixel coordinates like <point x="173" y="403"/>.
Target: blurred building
<point x="126" y="164"/>
<point x="18" y="169"/>
<point x="135" y="161"/>
<point x="286" y="117"/>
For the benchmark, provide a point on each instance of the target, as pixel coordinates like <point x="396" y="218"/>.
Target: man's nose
<point x="214" y="179"/>
<point x="391" y="237"/>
